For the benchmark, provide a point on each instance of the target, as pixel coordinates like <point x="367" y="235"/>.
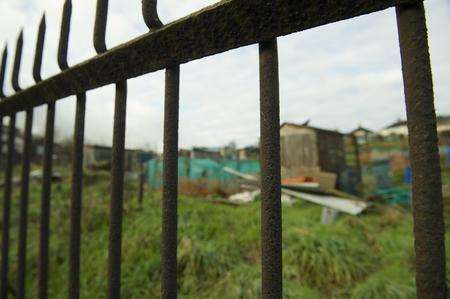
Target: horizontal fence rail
<point x="226" y="25"/>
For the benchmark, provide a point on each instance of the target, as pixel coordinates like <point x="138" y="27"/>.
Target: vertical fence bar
<point x="101" y="18"/>
<point x="3" y="71"/>
<point x="169" y="240"/>
<point x="272" y="284"/>
<point x="23" y="217"/>
<point x="2" y="95"/>
<point x="77" y="163"/>
<point x="117" y="162"/>
<point x="17" y="62"/>
<point x="170" y="185"/>
<point x="25" y="177"/>
<point x="9" y="174"/>
<point x="7" y="206"/>
<point x="44" y="236"/>
<point x="427" y="185"/>
<point x="117" y="179"/>
<point x="76" y="198"/>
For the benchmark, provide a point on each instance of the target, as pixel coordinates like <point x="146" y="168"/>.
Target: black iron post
<point x="9" y="174"/>
<point x="25" y="177"/>
<point x="4" y="262"/>
<point x="271" y="231"/>
<point x="117" y="163"/>
<point x="429" y="231"/>
<point x="170" y="185"/>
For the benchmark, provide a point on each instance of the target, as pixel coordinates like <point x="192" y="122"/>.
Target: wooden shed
<point x="303" y="146"/>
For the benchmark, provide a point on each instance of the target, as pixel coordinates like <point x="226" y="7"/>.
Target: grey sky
<point x="338" y="76"/>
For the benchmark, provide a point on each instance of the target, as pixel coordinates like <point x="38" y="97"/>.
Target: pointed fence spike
<point x="3" y="71"/>
<point x="150" y="13"/>
<point x="64" y="35"/>
<point x="101" y="18"/>
<point x="39" y="51"/>
<point x="17" y="62"/>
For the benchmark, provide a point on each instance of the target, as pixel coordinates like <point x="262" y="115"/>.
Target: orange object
<point x="297" y="180"/>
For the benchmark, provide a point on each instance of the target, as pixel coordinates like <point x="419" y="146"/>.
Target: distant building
<point x="306" y="146"/>
<point x="184" y="153"/>
<point x="100" y="156"/>
<point x="248" y="153"/>
<point x="95" y="155"/>
<point x="62" y="151"/>
<point x="398" y="128"/>
<point x="206" y="153"/>
<point x="18" y="144"/>
<point x="443" y="128"/>
<point x="362" y="135"/>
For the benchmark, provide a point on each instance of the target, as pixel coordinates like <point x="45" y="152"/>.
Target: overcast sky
<point x="338" y="76"/>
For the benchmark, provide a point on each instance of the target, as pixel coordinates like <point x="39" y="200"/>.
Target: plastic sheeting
<point x="198" y="169"/>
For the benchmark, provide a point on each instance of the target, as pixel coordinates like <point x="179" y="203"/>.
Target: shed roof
<point x="310" y="127"/>
<point x="361" y="128"/>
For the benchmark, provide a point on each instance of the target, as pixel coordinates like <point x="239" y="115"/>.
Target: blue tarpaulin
<point x="407" y="175"/>
<point x="448" y="154"/>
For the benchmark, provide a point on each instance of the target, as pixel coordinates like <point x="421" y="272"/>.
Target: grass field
<point x="219" y="252"/>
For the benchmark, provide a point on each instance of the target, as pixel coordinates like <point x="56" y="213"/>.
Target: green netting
<point x="197" y="169"/>
<point x="395" y="196"/>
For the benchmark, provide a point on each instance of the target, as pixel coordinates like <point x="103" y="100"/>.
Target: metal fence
<point x="226" y="25"/>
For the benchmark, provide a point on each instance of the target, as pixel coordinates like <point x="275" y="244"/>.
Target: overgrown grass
<point x="370" y="256"/>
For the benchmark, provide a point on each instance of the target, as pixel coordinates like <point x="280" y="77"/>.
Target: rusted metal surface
<point x="5" y="236"/>
<point x="9" y="175"/>
<point x="25" y="176"/>
<point x="4" y="286"/>
<point x="23" y="217"/>
<point x="76" y="198"/>
<point x="150" y="14"/>
<point x="271" y="259"/>
<point x="116" y="204"/>
<point x="77" y="164"/>
<point x="37" y="65"/>
<point x="170" y="185"/>
<point x="44" y="235"/>
<point x="424" y="155"/>
<point x="169" y="234"/>
<point x="101" y="18"/>
<point x="17" y="62"/>
<point x="64" y="35"/>
<point x="117" y="162"/>
<point x="3" y="71"/>
<point x="224" y="26"/>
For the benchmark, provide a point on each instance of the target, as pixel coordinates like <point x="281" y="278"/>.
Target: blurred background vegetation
<point x="370" y="256"/>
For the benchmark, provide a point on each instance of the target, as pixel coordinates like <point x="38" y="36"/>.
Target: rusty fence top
<point x="226" y="25"/>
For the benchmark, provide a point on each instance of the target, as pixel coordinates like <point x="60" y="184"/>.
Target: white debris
<point x="244" y="197"/>
<point x="328" y="215"/>
<point x="287" y="199"/>
<point x="349" y="206"/>
<point x="341" y="204"/>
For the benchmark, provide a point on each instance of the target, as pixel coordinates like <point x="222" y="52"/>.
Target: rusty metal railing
<point x="226" y="25"/>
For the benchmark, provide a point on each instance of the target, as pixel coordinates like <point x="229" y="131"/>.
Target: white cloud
<point x="339" y="75"/>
